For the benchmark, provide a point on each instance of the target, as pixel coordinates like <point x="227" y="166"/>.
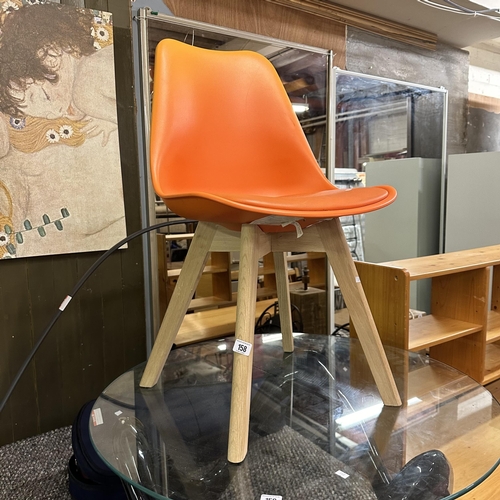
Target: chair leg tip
<point x="236" y="454"/>
<point x="236" y="460"/>
<point x="147" y="382"/>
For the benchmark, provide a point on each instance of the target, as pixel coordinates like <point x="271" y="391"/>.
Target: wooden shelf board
<point x="448" y="263"/>
<point x="261" y="272"/>
<point x="492" y="363"/>
<point x="432" y="330"/>
<point x="209" y="302"/>
<point x="174" y="273"/>
<point x="493" y="333"/>
<point x="270" y="270"/>
<point x="305" y="256"/>
<point x="204" y="325"/>
<point x="212" y="302"/>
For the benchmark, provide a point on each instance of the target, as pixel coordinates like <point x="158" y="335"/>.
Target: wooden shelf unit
<point x="215" y="291"/>
<point x="221" y="272"/>
<point x="316" y="263"/>
<point x="463" y="327"/>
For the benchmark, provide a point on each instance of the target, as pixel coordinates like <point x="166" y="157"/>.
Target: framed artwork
<point x="60" y="175"/>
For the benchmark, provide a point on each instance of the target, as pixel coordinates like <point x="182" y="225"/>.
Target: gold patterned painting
<point x="60" y="176"/>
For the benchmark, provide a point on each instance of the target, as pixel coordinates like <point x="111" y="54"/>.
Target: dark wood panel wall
<point x="101" y="333"/>
<point x="264" y="18"/>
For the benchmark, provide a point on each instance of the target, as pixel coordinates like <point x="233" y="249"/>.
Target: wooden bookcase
<point x="462" y="328"/>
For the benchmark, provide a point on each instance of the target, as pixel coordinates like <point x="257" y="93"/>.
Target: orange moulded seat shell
<point x="227" y="147"/>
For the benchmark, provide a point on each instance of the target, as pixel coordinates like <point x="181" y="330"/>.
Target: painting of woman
<point x="60" y="176"/>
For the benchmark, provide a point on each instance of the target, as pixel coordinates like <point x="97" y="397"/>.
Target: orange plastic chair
<point x="227" y="150"/>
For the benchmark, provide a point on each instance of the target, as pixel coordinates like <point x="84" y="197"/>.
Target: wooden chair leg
<point x="239" y="420"/>
<point x="189" y="277"/>
<point x="285" y="308"/>
<point x="339" y="256"/>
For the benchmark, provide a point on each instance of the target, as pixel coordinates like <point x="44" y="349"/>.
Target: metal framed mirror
<point x="305" y="72"/>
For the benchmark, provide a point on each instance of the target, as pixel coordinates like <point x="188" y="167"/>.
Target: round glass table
<point x="318" y="427"/>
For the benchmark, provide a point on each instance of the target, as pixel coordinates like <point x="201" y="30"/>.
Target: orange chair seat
<point x="227" y="147"/>
<point x="240" y="209"/>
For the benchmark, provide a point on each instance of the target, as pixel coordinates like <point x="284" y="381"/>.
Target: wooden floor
<point x="487" y="490"/>
<point x="490" y="488"/>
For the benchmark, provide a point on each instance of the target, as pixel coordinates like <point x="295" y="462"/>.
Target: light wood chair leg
<point x="339" y="256"/>
<point x="285" y="308"/>
<point x="239" y="419"/>
<point x="189" y="277"/>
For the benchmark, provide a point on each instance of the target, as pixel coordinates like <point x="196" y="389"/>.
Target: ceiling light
<point x="300" y="107"/>
<point x="300" y="104"/>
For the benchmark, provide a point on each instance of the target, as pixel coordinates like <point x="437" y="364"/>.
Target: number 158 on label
<point x="242" y="347"/>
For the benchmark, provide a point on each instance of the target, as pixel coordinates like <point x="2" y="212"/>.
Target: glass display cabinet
<point x="381" y="119"/>
<point x="394" y="132"/>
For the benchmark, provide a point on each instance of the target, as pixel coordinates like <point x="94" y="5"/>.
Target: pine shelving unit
<point x="462" y="328"/>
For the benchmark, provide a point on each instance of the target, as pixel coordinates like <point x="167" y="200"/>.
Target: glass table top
<point x="318" y="428"/>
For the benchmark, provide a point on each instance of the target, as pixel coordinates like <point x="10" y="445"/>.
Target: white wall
<point x="484" y="69"/>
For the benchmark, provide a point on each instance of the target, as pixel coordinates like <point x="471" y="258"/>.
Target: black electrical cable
<point x="70" y="296"/>
<point x="341" y="327"/>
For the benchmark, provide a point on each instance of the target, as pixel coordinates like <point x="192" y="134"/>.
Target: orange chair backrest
<point x="223" y="123"/>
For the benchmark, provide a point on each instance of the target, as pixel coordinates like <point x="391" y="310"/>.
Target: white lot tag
<point x="97" y="417"/>
<point x="275" y="220"/>
<point x="342" y="474"/>
<point x="280" y="220"/>
<point x="242" y="347"/>
<point x="271" y="497"/>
